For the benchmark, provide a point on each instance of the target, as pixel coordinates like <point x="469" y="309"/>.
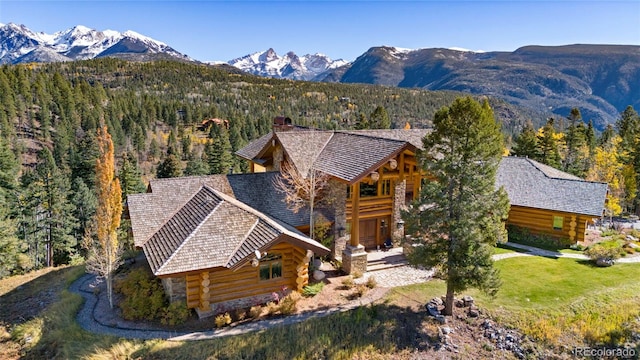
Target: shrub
<point x="223" y="320"/>
<point x="312" y="290"/>
<point x="23" y="264"/>
<point x="357" y="274"/>
<point x="361" y="289"/>
<point x="371" y="282"/>
<point x="272" y="308"/>
<point x="240" y="314"/>
<point x="604" y="254"/>
<point x="289" y="304"/>
<point x="175" y="314"/>
<point x="348" y="283"/>
<point x="255" y="312"/>
<point x="143" y="295"/>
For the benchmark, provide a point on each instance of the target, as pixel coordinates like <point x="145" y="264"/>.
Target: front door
<point x="374" y="232"/>
<point x="368" y="233"/>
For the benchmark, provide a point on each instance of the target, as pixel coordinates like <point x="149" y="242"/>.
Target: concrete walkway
<point x="387" y="278"/>
<point x="534" y="251"/>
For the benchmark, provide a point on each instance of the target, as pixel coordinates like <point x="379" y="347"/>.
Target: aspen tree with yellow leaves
<point x="105" y="253"/>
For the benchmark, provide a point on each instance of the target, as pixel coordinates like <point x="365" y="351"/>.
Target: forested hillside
<point x="49" y="115"/>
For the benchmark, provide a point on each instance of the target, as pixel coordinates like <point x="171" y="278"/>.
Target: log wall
<point x="540" y="222"/>
<point x="221" y="284"/>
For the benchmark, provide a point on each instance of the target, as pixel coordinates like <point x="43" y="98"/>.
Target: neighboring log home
<point x="548" y="202"/>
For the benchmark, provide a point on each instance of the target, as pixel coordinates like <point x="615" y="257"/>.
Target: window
<point x="348" y="191"/>
<point x="271" y="267"/>
<point x="368" y="190"/>
<point x="558" y="221"/>
<point x="385" y="188"/>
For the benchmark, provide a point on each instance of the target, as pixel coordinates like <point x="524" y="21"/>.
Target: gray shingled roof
<point x="304" y="147"/>
<point x="350" y="157"/>
<point x="532" y="184"/>
<point x="347" y="155"/>
<point x="255" y="147"/>
<point x="149" y="211"/>
<point x="258" y="190"/>
<point x="412" y="136"/>
<point x="214" y="230"/>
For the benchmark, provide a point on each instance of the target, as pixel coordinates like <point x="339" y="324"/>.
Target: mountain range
<point x="600" y="80"/>
<point x="290" y="66"/>
<point x="18" y="44"/>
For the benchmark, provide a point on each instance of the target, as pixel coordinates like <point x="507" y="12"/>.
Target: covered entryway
<point x="374" y="232"/>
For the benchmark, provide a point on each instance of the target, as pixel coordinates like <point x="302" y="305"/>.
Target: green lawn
<point x="551" y="298"/>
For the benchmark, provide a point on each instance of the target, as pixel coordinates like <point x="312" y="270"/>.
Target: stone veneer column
<point x="278" y="156"/>
<point x="397" y="233"/>
<point x="354" y="259"/>
<point x="339" y="191"/>
<point x="175" y="288"/>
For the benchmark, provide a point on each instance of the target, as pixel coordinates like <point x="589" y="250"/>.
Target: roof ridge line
<point x="175" y="252"/>
<point x="235" y="250"/>
<point x="532" y="162"/>
<point x="259" y="214"/>
<point x="172" y="214"/>
<point x="354" y="132"/>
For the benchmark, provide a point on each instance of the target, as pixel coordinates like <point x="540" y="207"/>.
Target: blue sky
<point x="223" y="30"/>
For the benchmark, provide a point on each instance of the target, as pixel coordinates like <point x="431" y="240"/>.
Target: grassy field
<point x="555" y="300"/>
<point x="561" y="301"/>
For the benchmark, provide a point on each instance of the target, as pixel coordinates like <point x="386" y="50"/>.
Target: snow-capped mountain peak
<point x="76" y="43"/>
<point x="289" y="66"/>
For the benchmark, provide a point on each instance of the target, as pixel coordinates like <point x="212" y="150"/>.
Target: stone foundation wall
<point x="243" y="303"/>
<point x="175" y="288"/>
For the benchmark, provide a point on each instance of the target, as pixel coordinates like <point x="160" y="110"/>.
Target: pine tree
<point x="130" y="177"/>
<point x="105" y="256"/>
<point x="361" y="122"/>
<point x="50" y="195"/>
<point x="196" y="167"/>
<point x="628" y="127"/>
<point x="9" y="243"/>
<point x="84" y="203"/>
<point x="169" y="167"/>
<point x="526" y="143"/>
<point x="548" y="146"/>
<point x="218" y="152"/>
<point x="380" y="118"/>
<point x="465" y="212"/>
<point x="575" y="151"/>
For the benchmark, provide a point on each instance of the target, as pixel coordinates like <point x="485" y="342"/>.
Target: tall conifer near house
<point x="459" y="214"/>
<point x="105" y="255"/>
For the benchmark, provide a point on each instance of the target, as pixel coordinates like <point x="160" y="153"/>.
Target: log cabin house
<point x="226" y="241"/>
<point x="548" y="202"/>
<point x="374" y="173"/>
<point x="213" y="250"/>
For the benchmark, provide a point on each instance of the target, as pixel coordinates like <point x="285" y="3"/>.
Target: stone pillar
<point x="278" y="156"/>
<point x="397" y="232"/>
<point x="175" y="288"/>
<point x="354" y="259"/>
<point x="339" y="191"/>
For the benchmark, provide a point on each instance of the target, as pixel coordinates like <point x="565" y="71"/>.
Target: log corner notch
<point x="204" y="291"/>
<point x="302" y="271"/>
<point x="572" y="229"/>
